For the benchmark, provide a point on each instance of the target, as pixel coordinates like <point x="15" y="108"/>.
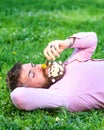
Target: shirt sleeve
<point x="33" y="98"/>
<point x="85" y="44"/>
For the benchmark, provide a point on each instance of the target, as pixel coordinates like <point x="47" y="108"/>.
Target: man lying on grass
<point x="77" y="84"/>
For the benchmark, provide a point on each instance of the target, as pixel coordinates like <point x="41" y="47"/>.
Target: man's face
<point x="33" y="75"/>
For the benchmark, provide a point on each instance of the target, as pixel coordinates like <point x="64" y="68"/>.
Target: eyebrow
<point x="32" y="64"/>
<point x="29" y="73"/>
<point x="30" y="70"/>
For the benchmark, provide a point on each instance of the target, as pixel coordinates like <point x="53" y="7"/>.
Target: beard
<point x="45" y="74"/>
<point x="54" y="72"/>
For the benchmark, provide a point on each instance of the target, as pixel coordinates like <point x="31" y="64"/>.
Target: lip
<point x="46" y="71"/>
<point x="40" y="68"/>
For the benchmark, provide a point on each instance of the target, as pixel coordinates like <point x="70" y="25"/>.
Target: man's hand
<point x="55" y="48"/>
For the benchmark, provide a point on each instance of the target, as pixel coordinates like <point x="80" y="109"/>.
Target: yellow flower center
<point x="44" y="66"/>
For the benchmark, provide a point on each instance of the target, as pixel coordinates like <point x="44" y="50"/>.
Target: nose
<point x="33" y="68"/>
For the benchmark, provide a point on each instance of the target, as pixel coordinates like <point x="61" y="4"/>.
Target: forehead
<point x="26" y="66"/>
<point x="25" y="70"/>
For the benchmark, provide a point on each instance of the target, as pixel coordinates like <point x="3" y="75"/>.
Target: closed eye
<point x="31" y="74"/>
<point x="33" y="65"/>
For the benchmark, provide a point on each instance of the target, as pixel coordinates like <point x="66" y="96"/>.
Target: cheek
<point x="31" y="83"/>
<point x="42" y="77"/>
<point x="39" y="79"/>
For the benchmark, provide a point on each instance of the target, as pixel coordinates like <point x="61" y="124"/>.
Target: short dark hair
<point x="13" y="77"/>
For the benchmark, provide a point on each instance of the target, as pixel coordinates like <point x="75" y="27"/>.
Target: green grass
<point x="26" y="26"/>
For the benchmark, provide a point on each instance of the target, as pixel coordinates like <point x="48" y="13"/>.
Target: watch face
<point x="56" y="71"/>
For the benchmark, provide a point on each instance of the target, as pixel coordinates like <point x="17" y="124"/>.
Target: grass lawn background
<point x="26" y="26"/>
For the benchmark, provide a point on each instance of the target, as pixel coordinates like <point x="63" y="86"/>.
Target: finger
<point x="46" y="54"/>
<point x="57" y="47"/>
<point x="51" y="55"/>
<point x="55" y="52"/>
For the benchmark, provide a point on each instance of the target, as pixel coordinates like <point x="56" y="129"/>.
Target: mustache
<point x="46" y="76"/>
<point x="44" y="72"/>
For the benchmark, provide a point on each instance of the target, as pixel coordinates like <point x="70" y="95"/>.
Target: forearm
<point x="30" y="98"/>
<point x="76" y="40"/>
<point x="82" y="40"/>
<point x="69" y="42"/>
<point x="84" y="44"/>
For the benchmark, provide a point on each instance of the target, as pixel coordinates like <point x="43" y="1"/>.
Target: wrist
<point x="69" y="42"/>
